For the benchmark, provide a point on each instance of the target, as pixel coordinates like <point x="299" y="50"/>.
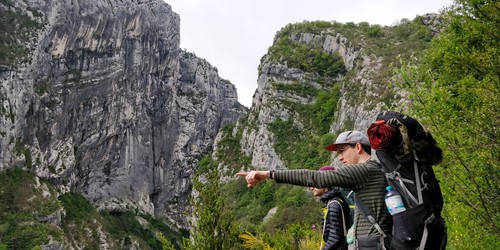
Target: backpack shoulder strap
<point x="369" y="215"/>
<point x="325" y="217"/>
<point x="396" y="177"/>
<point x="343" y="216"/>
<point x="341" y="210"/>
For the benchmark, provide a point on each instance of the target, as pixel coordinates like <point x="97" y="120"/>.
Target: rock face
<point x="258" y="140"/>
<point x="364" y="87"/>
<point x="108" y="105"/>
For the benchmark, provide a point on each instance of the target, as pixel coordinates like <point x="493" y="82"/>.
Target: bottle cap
<point x="388" y="188"/>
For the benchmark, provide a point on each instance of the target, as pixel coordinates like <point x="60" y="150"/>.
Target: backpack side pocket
<point x="409" y="224"/>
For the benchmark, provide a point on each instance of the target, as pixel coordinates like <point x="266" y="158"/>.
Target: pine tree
<point x="213" y="226"/>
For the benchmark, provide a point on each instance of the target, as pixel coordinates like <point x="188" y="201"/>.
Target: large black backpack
<point x="407" y="152"/>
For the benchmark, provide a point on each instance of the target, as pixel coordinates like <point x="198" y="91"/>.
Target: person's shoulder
<point x="372" y="163"/>
<point x="335" y="202"/>
<point x="368" y="165"/>
<point x="374" y="166"/>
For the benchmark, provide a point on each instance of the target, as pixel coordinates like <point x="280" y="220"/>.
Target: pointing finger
<point x="243" y="174"/>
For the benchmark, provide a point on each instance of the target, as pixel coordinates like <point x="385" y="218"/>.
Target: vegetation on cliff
<point x="17" y="30"/>
<point x="33" y="215"/>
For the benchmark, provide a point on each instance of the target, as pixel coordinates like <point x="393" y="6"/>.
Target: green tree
<point x="166" y="244"/>
<point x="213" y="226"/>
<point x="455" y="92"/>
<point x="294" y="236"/>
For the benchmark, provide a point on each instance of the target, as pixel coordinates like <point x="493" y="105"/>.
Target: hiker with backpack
<point x="336" y="216"/>
<point x="407" y="152"/>
<point x="360" y="174"/>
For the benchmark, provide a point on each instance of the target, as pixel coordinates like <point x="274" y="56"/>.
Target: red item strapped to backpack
<point x="383" y="136"/>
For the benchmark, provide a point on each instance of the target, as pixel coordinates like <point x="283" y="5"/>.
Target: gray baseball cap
<point x="349" y="137"/>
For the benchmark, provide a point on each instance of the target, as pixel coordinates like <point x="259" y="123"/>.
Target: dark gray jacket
<point x="333" y="231"/>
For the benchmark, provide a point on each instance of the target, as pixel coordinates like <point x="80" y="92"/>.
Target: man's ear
<point x="359" y="148"/>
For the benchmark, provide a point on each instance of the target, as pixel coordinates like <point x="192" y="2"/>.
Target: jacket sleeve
<point x="353" y="177"/>
<point x="334" y="228"/>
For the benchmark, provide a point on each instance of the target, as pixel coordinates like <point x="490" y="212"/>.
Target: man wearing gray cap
<point x="360" y="174"/>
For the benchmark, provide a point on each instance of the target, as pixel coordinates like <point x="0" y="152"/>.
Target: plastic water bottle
<point x="393" y="201"/>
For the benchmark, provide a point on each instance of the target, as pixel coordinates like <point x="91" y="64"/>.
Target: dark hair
<point x="367" y="148"/>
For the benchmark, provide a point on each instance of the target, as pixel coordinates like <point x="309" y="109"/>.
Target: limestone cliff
<point x="102" y="101"/>
<point x="288" y="86"/>
<point x="270" y="104"/>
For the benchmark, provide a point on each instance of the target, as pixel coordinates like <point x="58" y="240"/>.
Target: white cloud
<point x="234" y="34"/>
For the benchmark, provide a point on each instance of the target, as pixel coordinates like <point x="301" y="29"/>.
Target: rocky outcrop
<point x="364" y="85"/>
<point x="109" y="106"/>
<point x="258" y="141"/>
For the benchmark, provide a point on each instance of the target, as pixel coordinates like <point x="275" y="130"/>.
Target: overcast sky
<point x="234" y="34"/>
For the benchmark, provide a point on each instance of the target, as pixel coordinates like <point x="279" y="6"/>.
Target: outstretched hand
<point x="254" y="177"/>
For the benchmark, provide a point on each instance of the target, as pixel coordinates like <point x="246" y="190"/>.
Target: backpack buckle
<point x="430" y="219"/>
<point x="392" y="175"/>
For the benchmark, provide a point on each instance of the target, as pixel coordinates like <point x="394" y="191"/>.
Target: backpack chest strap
<point x="396" y="176"/>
